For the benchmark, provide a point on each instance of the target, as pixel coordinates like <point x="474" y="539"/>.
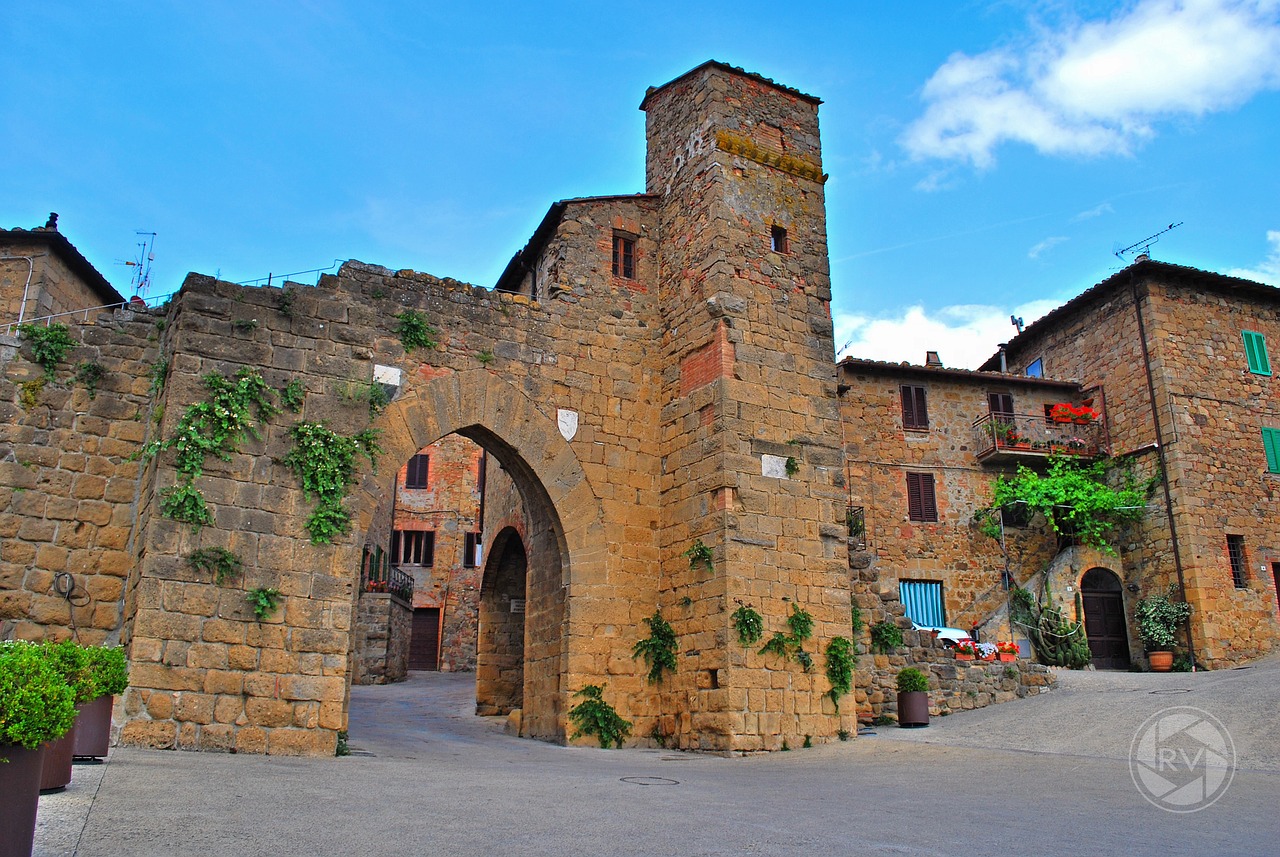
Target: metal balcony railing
<point x="377" y="574"/>
<point x="1008" y="437"/>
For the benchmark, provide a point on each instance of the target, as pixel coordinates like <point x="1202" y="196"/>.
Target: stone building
<point x="42" y="274"/>
<point x="1181" y="355"/>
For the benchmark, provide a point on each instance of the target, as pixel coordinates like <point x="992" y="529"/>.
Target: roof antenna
<point x="141" y="279"/>
<point x="1145" y="244"/>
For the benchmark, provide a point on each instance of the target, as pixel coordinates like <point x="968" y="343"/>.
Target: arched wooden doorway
<point x="1104" y="623"/>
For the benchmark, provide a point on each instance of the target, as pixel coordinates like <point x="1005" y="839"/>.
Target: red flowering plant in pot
<point x="1006" y="651"/>
<point x="966" y="650"/>
<point x="38" y="707"/>
<point x="1065" y="412"/>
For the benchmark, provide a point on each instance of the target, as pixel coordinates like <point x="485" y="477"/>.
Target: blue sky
<point x="986" y="158"/>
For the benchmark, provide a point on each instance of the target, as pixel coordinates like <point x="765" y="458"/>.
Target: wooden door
<point x="424" y="642"/>
<point x="1104" y="620"/>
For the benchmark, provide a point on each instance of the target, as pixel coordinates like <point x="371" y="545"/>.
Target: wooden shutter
<point x="915" y="411"/>
<point x="1000" y="403"/>
<point x="1255" y="351"/>
<point x="1271" y="445"/>
<point x="416" y="476"/>
<point x="922" y="503"/>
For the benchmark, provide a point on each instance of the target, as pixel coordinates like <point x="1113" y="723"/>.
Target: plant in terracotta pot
<point x="966" y="650"/>
<point x="1158" y="619"/>
<point x="913" y="698"/>
<point x="70" y="660"/>
<point x="93" y="726"/>
<point x="38" y="707"/>
<point x="1007" y="651"/>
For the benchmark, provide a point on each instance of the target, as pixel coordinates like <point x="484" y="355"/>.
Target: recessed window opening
<point x="778" y="239"/>
<point x="416" y="474"/>
<point x="413" y="547"/>
<point x="1235" y="551"/>
<point x="922" y="503"/>
<point x="915" y="411"/>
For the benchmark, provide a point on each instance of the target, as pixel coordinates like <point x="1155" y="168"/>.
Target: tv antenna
<point x="141" y="279"/>
<point x="1145" y="243"/>
<point x="1017" y="322"/>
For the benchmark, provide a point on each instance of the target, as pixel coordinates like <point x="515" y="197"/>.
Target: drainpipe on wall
<point x="31" y="267"/>
<point x="1164" y="468"/>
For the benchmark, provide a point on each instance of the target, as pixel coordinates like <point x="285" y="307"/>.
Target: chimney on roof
<point x="932" y="360"/>
<point x="1144" y="256"/>
<point x="52" y="222"/>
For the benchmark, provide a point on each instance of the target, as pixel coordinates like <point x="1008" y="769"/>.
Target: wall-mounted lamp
<point x="1132" y="587"/>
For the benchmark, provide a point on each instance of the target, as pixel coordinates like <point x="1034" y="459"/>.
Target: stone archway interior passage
<point x="1103" y="600"/>
<point x="501" y="643"/>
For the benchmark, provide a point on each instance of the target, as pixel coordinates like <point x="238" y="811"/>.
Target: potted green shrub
<point x="1158" y="619"/>
<point x="38" y="707"/>
<point x="913" y="698"/>
<point x="93" y="725"/>
<point x="69" y="659"/>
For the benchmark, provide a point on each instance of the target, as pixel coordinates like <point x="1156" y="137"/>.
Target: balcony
<point x="1025" y="438"/>
<point x="377" y="574"/>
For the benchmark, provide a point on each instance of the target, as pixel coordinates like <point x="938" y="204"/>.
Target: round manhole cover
<point x="1173" y="690"/>
<point x="650" y="781"/>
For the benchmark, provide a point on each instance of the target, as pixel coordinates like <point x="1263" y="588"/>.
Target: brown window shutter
<point x="922" y="503"/>
<point x="922" y="410"/>
<point x="908" y="407"/>
<point x="913" y="496"/>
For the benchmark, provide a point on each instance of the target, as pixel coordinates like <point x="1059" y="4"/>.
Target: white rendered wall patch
<point x="568" y="422"/>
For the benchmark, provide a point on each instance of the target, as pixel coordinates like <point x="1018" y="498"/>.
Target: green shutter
<point x="1271" y="444"/>
<point x="1255" y="350"/>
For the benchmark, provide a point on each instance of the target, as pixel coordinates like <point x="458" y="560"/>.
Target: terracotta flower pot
<point x="961" y="656"/>
<point x="1006" y="657"/>
<point x="1161" y="662"/>
<point x="20" y="785"/>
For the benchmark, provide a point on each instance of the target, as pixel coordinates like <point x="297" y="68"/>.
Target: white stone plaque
<point x="773" y="465"/>
<point x="568" y="422"/>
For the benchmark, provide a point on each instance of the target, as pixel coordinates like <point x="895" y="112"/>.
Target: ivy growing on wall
<point x="218" y="562"/>
<point x="885" y="637"/>
<point x="791" y="645"/>
<point x="49" y="343"/>
<point x="325" y="464"/>
<point x="594" y="716"/>
<point x="840" y="662"/>
<point x="216" y="426"/>
<point x="414" y="331"/>
<point x="749" y="625"/>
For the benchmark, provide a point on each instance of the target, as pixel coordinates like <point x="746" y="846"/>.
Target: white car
<point x="948" y="636"/>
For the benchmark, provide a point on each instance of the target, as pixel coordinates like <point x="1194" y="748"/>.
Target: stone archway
<point x="1102" y="597"/>
<point x="559" y="557"/>
<point x="500" y="646"/>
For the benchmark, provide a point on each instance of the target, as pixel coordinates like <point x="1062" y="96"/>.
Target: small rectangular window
<point x="471" y="550"/>
<point x="416" y="474"/>
<point x="1255" y="351"/>
<point x="778" y="240"/>
<point x="1000" y="403"/>
<point x="1036" y="368"/>
<point x="1235" y="551"/>
<point x="1271" y="446"/>
<point x="922" y="503"/>
<point x="922" y="600"/>
<point x="915" y="412"/>
<point x="624" y="257"/>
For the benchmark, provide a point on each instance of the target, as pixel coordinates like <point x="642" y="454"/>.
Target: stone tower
<point x="751" y="466"/>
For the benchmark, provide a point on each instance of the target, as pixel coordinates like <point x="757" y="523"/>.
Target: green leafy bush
<point x="49" y="344"/>
<point x="594" y="716"/>
<point x="414" y="331"/>
<point x="911" y="680"/>
<point x="110" y="669"/>
<point x="885" y="637"/>
<point x="1158" y="618"/>
<point x="263" y="600"/>
<point x="801" y="624"/>
<point x="89" y="374"/>
<point x="659" y="648"/>
<point x="38" y="705"/>
<point x="325" y="464"/>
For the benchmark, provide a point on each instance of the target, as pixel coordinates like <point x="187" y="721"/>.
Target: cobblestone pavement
<point x="1048" y="775"/>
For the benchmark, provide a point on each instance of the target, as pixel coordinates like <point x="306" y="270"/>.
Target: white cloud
<point x="1096" y="211"/>
<point x="963" y="335"/>
<point x="1045" y="245"/>
<point x="1096" y="88"/>
<point x="1268" y="270"/>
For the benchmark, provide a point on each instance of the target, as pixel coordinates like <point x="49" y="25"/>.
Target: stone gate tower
<point x="751" y="464"/>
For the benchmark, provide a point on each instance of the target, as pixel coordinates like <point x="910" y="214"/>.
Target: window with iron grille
<point x="624" y="256"/>
<point x="1235" y="550"/>
<point x="416" y="474"/>
<point x="915" y="411"/>
<point x="413" y="547"/>
<point x="922" y="503"/>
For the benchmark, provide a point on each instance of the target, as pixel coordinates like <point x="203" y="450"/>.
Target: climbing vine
<point x="89" y="374"/>
<point x="325" y="464"/>
<point x="841" y="659"/>
<point x="216" y="426"/>
<point x="791" y="645"/>
<point x="885" y="637"/>
<point x="49" y="344"/>
<point x="699" y="554"/>
<point x="1074" y="497"/>
<point x="219" y="562"/>
<point x="293" y="394"/>
<point x="594" y="716"/>
<point x="659" y="648"/>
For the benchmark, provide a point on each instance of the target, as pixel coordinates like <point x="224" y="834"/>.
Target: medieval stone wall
<point x="381" y="631"/>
